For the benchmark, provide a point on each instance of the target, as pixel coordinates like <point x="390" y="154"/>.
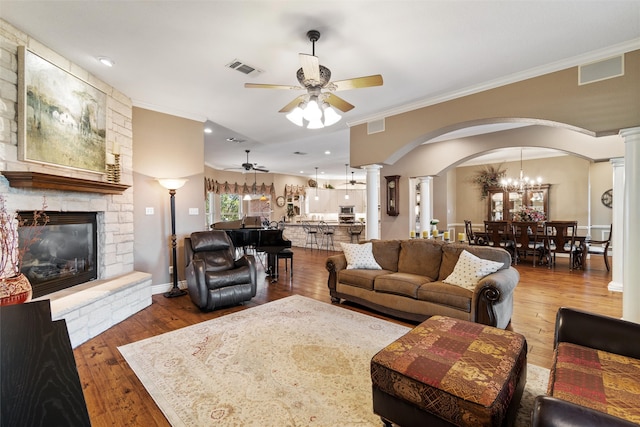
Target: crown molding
<point x="564" y="64"/>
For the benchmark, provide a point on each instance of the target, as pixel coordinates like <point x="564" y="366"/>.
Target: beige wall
<point x="601" y="108"/>
<point x="165" y="146"/>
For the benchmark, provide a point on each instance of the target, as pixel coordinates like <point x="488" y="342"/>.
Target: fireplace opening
<point x="64" y="254"/>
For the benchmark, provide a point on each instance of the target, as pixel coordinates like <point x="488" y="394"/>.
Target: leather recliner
<point x="214" y="277"/>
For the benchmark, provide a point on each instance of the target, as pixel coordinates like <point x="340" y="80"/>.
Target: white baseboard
<point x="166" y="287"/>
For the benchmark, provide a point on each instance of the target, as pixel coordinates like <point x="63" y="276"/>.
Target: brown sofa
<point x="409" y="285"/>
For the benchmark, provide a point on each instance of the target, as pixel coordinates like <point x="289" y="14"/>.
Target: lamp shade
<point x="330" y="115"/>
<point x="312" y="112"/>
<point x="172" y="183"/>
<point x="295" y="116"/>
<point x="247" y="197"/>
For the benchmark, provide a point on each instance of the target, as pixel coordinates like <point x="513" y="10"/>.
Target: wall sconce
<point x="172" y="185"/>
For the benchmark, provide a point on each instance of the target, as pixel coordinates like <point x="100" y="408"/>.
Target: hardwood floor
<point x="115" y="396"/>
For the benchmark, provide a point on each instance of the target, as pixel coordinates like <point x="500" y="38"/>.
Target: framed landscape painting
<point x="61" y="118"/>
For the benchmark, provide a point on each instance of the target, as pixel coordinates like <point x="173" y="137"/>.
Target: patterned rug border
<point x="177" y="367"/>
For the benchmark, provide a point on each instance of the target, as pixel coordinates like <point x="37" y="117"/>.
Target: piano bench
<point x="286" y="254"/>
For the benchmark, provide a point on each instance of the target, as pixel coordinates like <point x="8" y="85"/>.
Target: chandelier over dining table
<point x="522" y="182"/>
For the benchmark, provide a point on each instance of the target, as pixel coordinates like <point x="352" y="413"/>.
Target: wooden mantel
<point x="26" y="179"/>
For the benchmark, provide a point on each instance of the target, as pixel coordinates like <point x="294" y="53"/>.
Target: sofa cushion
<point x="360" y="256"/>
<point x="596" y="379"/>
<point x="400" y="283"/>
<point x="445" y="294"/>
<point x="452" y="251"/>
<point x="360" y="278"/>
<point x="386" y="253"/>
<point x="421" y="257"/>
<point x="470" y="269"/>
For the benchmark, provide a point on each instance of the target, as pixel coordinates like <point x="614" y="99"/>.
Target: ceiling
<point x="171" y="56"/>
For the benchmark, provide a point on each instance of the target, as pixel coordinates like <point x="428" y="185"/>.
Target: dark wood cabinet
<point x="502" y="203"/>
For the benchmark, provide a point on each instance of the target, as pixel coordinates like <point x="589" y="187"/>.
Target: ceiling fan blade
<point x="260" y="170"/>
<point x="293" y="104"/>
<point x="310" y="67"/>
<point x="338" y="102"/>
<point x="358" y="82"/>
<point x="269" y="86"/>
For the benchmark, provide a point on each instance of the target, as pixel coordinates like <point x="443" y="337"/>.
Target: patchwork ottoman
<point x="450" y="372"/>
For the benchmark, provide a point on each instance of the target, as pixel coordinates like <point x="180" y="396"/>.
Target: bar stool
<point x="312" y="235"/>
<point x="355" y="230"/>
<point x="327" y="235"/>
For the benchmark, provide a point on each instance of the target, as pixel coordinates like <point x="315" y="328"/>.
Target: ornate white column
<point x="617" y="235"/>
<point x="426" y="201"/>
<point x="631" y="225"/>
<point x="373" y="201"/>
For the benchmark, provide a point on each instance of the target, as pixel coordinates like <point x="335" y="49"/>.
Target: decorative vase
<point x="15" y="290"/>
<point x="434" y="227"/>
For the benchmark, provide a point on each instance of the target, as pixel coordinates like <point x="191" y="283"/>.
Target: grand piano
<point x="269" y="241"/>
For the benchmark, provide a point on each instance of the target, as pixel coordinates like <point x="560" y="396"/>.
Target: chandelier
<point x="316" y="112"/>
<point x="521" y="183"/>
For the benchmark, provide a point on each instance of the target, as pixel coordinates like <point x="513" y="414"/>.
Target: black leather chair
<point x="214" y="277"/>
<point x="552" y="412"/>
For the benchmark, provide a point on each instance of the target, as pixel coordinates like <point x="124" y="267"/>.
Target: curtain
<point x="212" y="186"/>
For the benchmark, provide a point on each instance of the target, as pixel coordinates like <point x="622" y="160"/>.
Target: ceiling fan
<point x="315" y="105"/>
<point x="248" y="166"/>
<point x="354" y="182"/>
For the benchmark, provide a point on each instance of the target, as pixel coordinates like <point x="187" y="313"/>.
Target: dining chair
<point x="560" y="238"/>
<point x="598" y="247"/>
<point x="474" y="238"/>
<point x="500" y="234"/>
<point x="528" y="238"/>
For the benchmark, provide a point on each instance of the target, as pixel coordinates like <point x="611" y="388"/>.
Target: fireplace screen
<point x="64" y="253"/>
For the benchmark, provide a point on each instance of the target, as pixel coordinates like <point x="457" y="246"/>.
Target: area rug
<point x="290" y="362"/>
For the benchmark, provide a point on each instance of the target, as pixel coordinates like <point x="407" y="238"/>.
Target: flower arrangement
<point x="528" y="214"/>
<point x="488" y="177"/>
<point x="12" y="250"/>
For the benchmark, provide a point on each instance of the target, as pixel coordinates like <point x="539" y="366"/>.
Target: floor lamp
<point x="172" y="185"/>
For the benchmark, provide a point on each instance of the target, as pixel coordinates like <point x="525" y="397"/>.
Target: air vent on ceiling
<point x="299" y="153"/>
<point x="244" y="68"/>
<point x="375" y="126"/>
<point x="234" y="139"/>
<point x="601" y="70"/>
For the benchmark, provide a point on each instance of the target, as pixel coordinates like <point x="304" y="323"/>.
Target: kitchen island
<point x="294" y="231"/>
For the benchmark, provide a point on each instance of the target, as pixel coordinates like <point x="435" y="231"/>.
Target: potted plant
<point x="14" y="286"/>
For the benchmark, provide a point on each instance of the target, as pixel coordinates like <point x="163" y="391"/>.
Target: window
<point x="261" y="208"/>
<point x="230" y="207"/>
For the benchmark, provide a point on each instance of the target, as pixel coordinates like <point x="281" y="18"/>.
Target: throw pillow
<point x="360" y="256"/>
<point x="470" y="269"/>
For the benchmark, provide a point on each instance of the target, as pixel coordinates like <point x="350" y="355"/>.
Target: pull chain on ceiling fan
<point x="316" y="107"/>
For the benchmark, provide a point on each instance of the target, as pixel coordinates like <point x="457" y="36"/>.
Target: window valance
<point x="213" y="186"/>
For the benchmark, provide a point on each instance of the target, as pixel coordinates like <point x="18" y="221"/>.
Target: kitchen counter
<point x="294" y="231"/>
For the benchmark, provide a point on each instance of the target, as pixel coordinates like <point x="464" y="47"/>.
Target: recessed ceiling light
<point x="208" y="130"/>
<point x="327" y="152"/>
<point x="106" y="61"/>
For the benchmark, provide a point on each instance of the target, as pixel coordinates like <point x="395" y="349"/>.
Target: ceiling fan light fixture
<point x="315" y="124"/>
<point x="312" y="111"/>
<point x="296" y="115"/>
<point x="331" y="117"/>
